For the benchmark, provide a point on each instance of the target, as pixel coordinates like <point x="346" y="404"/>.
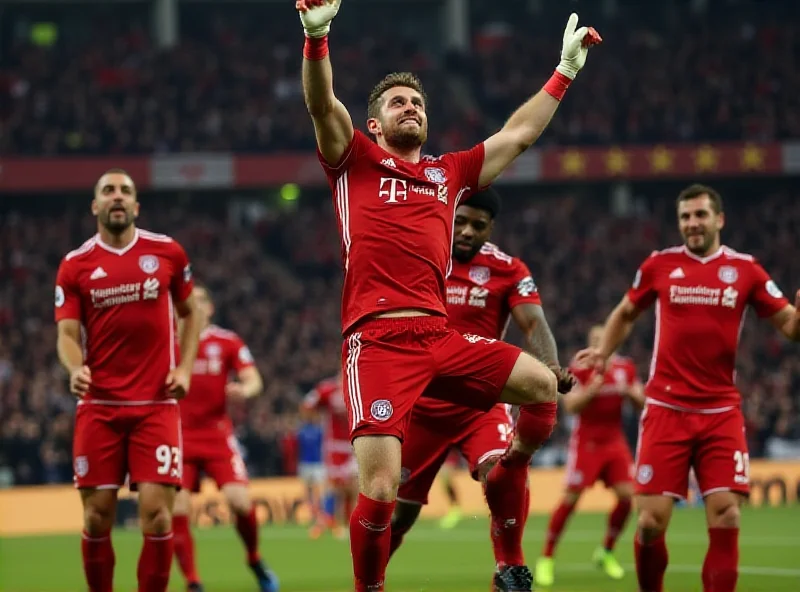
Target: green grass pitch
<point x="431" y="560"/>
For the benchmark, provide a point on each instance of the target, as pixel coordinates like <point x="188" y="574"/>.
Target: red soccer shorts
<point x="477" y="435"/>
<point x="588" y="462"/>
<point x="388" y="363"/>
<point x="672" y="441"/>
<point x="111" y="441"/>
<point x="215" y="453"/>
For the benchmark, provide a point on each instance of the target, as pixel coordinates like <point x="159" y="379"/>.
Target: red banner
<point x="228" y="171"/>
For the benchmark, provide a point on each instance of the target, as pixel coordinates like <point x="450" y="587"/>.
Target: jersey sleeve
<point x="524" y="290"/>
<point x="68" y="296"/>
<point x="182" y="282"/>
<point x="642" y="292"/>
<point x="241" y="358"/>
<point x="468" y="164"/>
<point x="765" y="296"/>
<point x="356" y="149"/>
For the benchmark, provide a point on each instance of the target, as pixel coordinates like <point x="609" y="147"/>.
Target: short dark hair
<point x="696" y="190"/>
<point x="115" y="171"/>
<point x="390" y="81"/>
<point x="487" y="200"/>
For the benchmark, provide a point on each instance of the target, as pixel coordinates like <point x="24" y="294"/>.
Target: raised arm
<point x="529" y="121"/>
<point x="332" y="123"/>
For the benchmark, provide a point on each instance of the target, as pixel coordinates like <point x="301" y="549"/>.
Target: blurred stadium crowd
<point x="666" y="74"/>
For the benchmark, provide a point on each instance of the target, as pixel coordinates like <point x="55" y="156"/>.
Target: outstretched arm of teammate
<point x="579" y="397"/>
<point x="179" y="378"/>
<point x="617" y="327"/>
<point x="530" y="318"/>
<point x="249" y="384"/>
<point x="332" y="123"/>
<point x="787" y="320"/>
<point x="70" y="353"/>
<point x="529" y="121"/>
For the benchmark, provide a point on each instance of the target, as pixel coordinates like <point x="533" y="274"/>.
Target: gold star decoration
<point x="752" y="158"/>
<point x="573" y="162"/>
<point x="616" y="161"/>
<point x="705" y="159"/>
<point x="661" y="159"/>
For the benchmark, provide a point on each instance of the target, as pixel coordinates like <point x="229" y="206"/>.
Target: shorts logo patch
<point x="405" y="475"/>
<point x="645" y="474"/>
<point x="381" y="410"/>
<point x="81" y="466"/>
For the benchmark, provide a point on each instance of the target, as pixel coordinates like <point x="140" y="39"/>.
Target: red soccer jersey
<point x="601" y="419"/>
<point x="396" y="223"/>
<point x="219" y="353"/>
<point x="329" y="397"/>
<point x="480" y="296"/>
<point x="700" y="309"/>
<point x="124" y="299"/>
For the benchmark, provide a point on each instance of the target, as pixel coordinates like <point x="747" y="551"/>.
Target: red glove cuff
<point x="315" y="48"/>
<point x="557" y="86"/>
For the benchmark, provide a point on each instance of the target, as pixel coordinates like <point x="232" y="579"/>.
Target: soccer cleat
<point x="512" y="578"/>
<point x="452" y="518"/>
<point x="195" y="587"/>
<point x="606" y="561"/>
<point x="545" y="572"/>
<point x="267" y="580"/>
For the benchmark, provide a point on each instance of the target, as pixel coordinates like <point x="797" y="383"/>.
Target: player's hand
<point x="576" y="46"/>
<point x="178" y="382"/>
<point x="80" y="380"/>
<point x="591" y="358"/>
<point x="234" y="389"/>
<point x="565" y="379"/>
<point x="316" y="15"/>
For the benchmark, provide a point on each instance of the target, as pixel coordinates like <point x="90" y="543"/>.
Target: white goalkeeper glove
<point x="575" y="47"/>
<point x="316" y="15"/>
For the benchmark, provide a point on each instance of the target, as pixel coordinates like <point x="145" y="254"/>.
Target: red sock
<point x="721" y="567"/>
<point x="651" y="563"/>
<point x="616" y="522"/>
<point x="397" y="539"/>
<point x="184" y="548"/>
<point x="98" y="562"/>
<point x="370" y="538"/>
<point x="507" y="495"/>
<point x="247" y="527"/>
<point x="536" y="423"/>
<point x="557" y="523"/>
<point x="155" y="562"/>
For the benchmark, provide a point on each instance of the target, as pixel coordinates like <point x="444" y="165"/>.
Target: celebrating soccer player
<point x="597" y="450"/>
<point x="396" y="213"/>
<point x="692" y="415"/>
<point x="340" y="464"/>
<point x="486" y="288"/>
<point x="209" y="444"/>
<point x="115" y="304"/>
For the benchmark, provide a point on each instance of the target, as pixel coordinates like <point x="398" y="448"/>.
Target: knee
<point x="726" y="516"/>
<point x="97" y="520"/>
<point x="651" y="524"/>
<point x="382" y="486"/>
<point x="538" y="385"/>
<point x="239" y="503"/>
<point x="156" y="519"/>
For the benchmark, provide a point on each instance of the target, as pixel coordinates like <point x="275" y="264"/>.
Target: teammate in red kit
<point x="598" y="450"/>
<point x="692" y="416"/>
<point x="485" y="290"/>
<point x="115" y="304"/>
<point x="396" y="212"/>
<point x="340" y="463"/>
<point x="209" y="444"/>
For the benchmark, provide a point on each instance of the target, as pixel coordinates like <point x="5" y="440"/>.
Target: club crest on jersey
<point x="148" y="263"/>
<point x="213" y="350"/>
<point x="480" y="274"/>
<point x="728" y="274"/>
<point x="435" y="175"/>
<point x="645" y="474"/>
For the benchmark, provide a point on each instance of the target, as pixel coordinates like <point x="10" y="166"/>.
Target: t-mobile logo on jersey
<point x="393" y="188"/>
